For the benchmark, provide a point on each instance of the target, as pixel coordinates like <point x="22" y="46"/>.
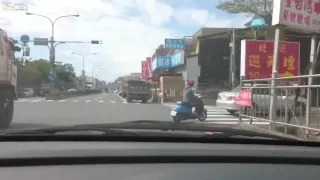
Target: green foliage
<point x="262" y="8"/>
<point x="37" y="72"/>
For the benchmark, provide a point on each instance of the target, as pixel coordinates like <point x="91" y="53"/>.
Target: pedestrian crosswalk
<point x="97" y="100"/>
<point x="221" y="116"/>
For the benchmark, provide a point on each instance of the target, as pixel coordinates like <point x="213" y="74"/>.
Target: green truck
<point x="137" y="90"/>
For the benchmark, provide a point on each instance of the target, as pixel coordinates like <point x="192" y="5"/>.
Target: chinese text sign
<point x="298" y="14"/>
<point x="144" y="67"/>
<point x="174" y="43"/>
<point x="149" y="61"/>
<point x="244" y="97"/>
<point x="257" y="59"/>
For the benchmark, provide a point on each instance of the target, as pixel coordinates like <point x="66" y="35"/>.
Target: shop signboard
<point x="174" y="43"/>
<point x="144" y="69"/>
<point x="297" y="14"/>
<point x="177" y="59"/>
<point x="257" y="58"/>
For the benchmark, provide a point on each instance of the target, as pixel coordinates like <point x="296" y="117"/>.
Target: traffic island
<point x="65" y="95"/>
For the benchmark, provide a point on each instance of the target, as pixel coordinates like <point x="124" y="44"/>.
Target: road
<point x="100" y="108"/>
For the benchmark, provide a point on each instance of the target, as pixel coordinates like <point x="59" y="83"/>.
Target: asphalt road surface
<point x="101" y="108"/>
<point x="97" y="108"/>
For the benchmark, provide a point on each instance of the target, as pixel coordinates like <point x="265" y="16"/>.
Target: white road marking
<point x="100" y="101"/>
<point x="125" y="102"/>
<point x="88" y="101"/>
<point x="36" y="100"/>
<point x="112" y="101"/>
<point x="120" y="97"/>
<point x="49" y="100"/>
<point x="221" y="116"/>
<point x="137" y="103"/>
<point x="76" y="100"/>
<point x="21" y="101"/>
<point x="62" y="100"/>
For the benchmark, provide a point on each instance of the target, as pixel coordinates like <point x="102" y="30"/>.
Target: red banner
<point x="258" y="58"/>
<point x="144" y="69"/>
<point x="244" y="97"/>
<point x="149" y="75"/>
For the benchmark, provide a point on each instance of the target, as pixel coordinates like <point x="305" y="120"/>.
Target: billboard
<point x="257" y="58"/>
<point x="177" y="59"/>
<point x="298" y="14"/>
<point x="149" y="62"/>
<point x="144" y="69"/>
<point x="174" y="43"/>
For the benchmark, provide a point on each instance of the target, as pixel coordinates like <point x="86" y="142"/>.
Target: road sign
<point x="174" y="43"/>
<point x="24" y="39"/>
<point x="96" y="42"/>
<point x="40" y="41"/>
<point x="51" y="77"/>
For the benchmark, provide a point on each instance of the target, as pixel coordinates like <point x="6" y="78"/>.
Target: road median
<point x="65" y="95"/>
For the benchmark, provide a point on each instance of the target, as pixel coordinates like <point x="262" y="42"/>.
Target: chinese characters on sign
<point x="174" y="43"/>
<point x="177" y="59"/>
<point x="301" y="14"/>
<point x="163" y="61"/>
<point x="144" y="69"/>
<point x="244" y="97"/>
<point x="258" y="57"/>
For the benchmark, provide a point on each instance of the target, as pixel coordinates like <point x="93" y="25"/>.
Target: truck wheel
<point x="129" y="99"/>
<point x="6" y="109"/>
<point x="144" y="101"/>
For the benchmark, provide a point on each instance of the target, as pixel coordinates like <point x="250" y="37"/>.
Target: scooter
<point x="183" y="111"/>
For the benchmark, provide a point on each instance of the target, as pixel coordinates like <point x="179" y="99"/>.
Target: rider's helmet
<point x="190" y="83"/>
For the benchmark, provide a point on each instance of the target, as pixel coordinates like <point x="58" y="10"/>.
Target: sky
<point x="130" y="30"/>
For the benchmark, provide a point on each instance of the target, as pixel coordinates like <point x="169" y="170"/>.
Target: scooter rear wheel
<point x="203" y="116"/>
<point x="176" y="119"/>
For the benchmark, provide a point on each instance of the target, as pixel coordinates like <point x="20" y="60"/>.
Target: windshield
<point x="121" y="61"/>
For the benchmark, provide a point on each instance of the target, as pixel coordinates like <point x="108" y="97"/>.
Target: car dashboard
<point x="156" y="160"/>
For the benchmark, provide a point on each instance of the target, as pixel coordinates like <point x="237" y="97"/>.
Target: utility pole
<point x="83" y="71"/>
<point x="52" y="50"/>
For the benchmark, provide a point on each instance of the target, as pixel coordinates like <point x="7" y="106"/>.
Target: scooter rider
<point x="190" y="98"/>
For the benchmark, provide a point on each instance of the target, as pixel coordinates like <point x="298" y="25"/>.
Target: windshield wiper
<point x="124" y="127"/>
<point x="76" y="128"/>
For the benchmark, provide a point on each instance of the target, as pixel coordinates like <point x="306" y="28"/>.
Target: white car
<point x="261" y="100"/>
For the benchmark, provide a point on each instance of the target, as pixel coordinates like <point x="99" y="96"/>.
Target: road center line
<point x="112" y="101"/>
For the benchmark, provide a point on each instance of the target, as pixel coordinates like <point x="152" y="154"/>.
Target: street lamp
<point x="52" y="47"/>
<point x="83" y="59"/>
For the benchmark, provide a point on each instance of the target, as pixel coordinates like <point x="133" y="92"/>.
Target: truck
<point x="137" y="90"/>
<point x="8" y="78"/>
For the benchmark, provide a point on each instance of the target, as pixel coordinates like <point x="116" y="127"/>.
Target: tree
<point x="37" y="72"/>
<point x="254" y="8"/>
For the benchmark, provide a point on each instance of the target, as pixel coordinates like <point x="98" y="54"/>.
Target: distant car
<point x="72" y="90"/>
<point x="261" y="100"/>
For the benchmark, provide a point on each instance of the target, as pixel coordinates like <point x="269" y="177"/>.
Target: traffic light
<point x="96" y="42"/>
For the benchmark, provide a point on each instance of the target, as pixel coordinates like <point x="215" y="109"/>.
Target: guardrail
<point x="297" y="106"/>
